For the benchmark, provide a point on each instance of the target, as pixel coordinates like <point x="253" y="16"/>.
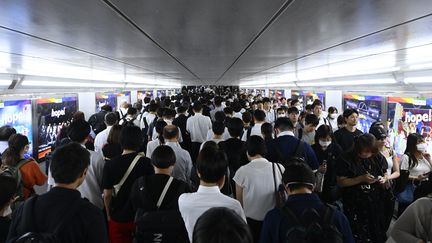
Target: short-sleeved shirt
<point x="345" y="138"/>
<point x="256" y="179"/>
<point x="113" y="173"/>
<point x="422" y="167"/>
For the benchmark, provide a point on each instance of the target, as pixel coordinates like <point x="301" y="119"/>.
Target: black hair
<point x="132" y="111"/>
<point x="236" y="106"/>
<point x="411" y="148"/>
<point x="163" y="157"/>
<point x="78" y="130"/>
<point x="332" y="109"/>
<point x="294" y="101"/>
<point x="211" y="144"/>
<point x="256" y="146"/>
<point x="181" y="109"/>
<point x="218" y="100"/>
<point x="259" y="115"/>
<point x="220" y="116"/>
<point x="16" y="143"/>
<point x="362" y="143"/>
<point x="110" y="118"/>
<point x="68" y="162"/>
<point x="284" y="124"/>
<point x="316" y="103"/>
<point x="267" y="131"/>
<point x="169" y="113"/>
<point x="266" y="99"/>
<point x="211" y="164"/>
<point x="348" y="112"/>
<point x="308" y="107"/>
<point x="106" y="108"/>
<point x="323" y="131"/>
<point x="152" y="107"/>
<point x="6" y="132"/>
<point x="159" y="127"/>
<point x="299" y="172"/>
<point x="247" y="117"/>
<point x="218" y="128"/>
<point x="235" y="127"/>
<point x="340" y="120"/>
<point x="146" y="100"/>
<point x="311" y="119"/>
<point x="228" y="110"/>
<point x="293" y="109"/>
<point x="114" y="134"/>
<point x="8" y="188"/>
<point x="170" y="132"/>
<point x="130" y="138"/>
<point x="197" y="106"/>
<point x="218" y="225"/>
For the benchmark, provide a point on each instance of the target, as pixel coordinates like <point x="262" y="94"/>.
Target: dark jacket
<point x="87" y="224"/>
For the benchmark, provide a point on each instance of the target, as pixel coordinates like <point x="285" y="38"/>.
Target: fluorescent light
<point x="418" y="80"/>
<point x="348" y="82"/>
<point x="172" y="86"/>
<point x="5" y="82"/>
<point x="71" y="84"/>
<point x="420" y="66"/>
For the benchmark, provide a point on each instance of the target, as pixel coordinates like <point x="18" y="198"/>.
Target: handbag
<point x="407" y="195"/>
<point x="279" y="189"/>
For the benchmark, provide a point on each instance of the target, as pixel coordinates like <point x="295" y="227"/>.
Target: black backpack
<point x="161" y="226"/>
<point x="312" y="227"/>
<point x="298" y="155"/>
<point x="33" y="235"/>
<point x="97" y="122"/>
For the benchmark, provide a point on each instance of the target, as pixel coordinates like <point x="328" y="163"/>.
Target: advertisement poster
<point x="52" y="114"/>
<point x="18" y="114"/>
<point x="409" y="115"/>
<point x="145" y="93"/>
<point x="123" y="97"/>
<point x="307" y="97"/>
<point x="259" y="92"/>
<point x="277" y="93"/>
<point x="105" y="99"/>
<point x="161" y="93"/>
<point x="369" y="108"/>
<point x="173" y="92"/>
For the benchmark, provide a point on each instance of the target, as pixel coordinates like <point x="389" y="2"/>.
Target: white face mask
<point x="324" y="144"/>
<point x="333" y="116"/>
<point x="422" y="147"/>
<point x="299" y="107"/>
<point x="281" y="115"/>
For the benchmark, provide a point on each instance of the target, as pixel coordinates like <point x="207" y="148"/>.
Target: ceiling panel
<point x="308" y="27"/>
<point x="84" y="33"/>
<point x="206" y="35"/>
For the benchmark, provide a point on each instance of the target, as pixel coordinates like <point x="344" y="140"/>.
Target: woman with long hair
<point x="113" y="148"/>
<point x="360" y="173"/>
<point x="152" y="145"/>
<point x="416" y="162"/>
<point x="29" y="172"/>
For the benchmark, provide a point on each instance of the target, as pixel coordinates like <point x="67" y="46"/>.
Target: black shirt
<point x="235" y="150"/>
<point x="112" y="150"/>
<point x="87" y="225"/>
<point x="4" y="228"/>
<point x="146" y="198"/>
<point x="114" y="171"/>
<point x="345" y="138"/>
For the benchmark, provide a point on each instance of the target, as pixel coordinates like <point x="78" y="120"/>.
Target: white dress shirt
<point x="151" y="146"/>
<point x="270" y="116"/>
<point x="256" y="130"/>
<point x="193" y="205"/>
<point x="183" y="166"/>
<point x="225" y="135"/>
<point x="213" y="112"/>
<point x="91" y="188"/>
<point x="256" y="179"/>
<point x="101" y="139"/>
<point x="149" y="118"/>
<point x="198" y="126"/>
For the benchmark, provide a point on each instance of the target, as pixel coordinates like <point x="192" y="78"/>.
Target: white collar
<point x="259" y="160"/>
<point x="286" y="133"/>
<point x="208" y="189"/>
<point x="175" y="144"/>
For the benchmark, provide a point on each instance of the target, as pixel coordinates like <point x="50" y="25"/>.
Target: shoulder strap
<point x="21" y="163"/>
<point x="165" y="190"/>
<point x="299" y="149"/>
<point x="126" y="175"/>
<point x="300" y="133"/>
<point x="327" y="215"/>
<point x="145" y="122"/>
<point x="291" y="216"/>
<point x="248" y="134"/>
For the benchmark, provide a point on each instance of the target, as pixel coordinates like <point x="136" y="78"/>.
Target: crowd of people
<point x="205" y="166"/>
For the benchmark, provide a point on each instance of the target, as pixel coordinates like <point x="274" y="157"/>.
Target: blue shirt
<point x="287" y="146"/>
<point x="276" y="223"/>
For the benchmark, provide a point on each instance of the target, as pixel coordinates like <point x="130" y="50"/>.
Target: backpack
<point x="159" y="226"/>
<point x="97" y="122"/>
<point x="129" y="123"/>
<point x="14" y="171"/>
<point x="298" y="155"/>
<point x="28" y="225"/>
<point x="312" y="227"/>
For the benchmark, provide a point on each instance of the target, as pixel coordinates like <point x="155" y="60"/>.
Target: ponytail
<point x="10" y="157"/>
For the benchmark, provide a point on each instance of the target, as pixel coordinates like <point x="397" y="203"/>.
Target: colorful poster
<point x="18" y="114"/>
<point x="145" y="93"/>
<point x="409" y="115"/>
<point x="277" y="93"/>
<point x="52" y="114"/>
<point x="307" y="97"/>
<point x="369" y="108"/>
<point x="161" y="93"/>
<point x="105" y="99"/>
<point x="123" y="97"/>
<point x="173" y="92"/>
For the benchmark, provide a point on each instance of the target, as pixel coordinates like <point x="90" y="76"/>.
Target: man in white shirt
<point x="148" y="116"/>
<point x="269" y="112"/>
<point x="101" y="138"/>
<point x="168" y="116"/>
<point x="218" y="133"/>
<point x="197" y="126"/>
<point x="218" y="107"/>
<point x="317" y="108"/>
<point x="211" y="169"/>
<point x="255" y="188"/>
<point x="183" y="166"/>
<point x="131" y="117"/>
<point x="259" y="118"/>
<point x="91" y="188"/>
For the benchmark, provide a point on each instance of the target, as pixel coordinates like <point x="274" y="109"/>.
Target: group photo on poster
<point x="52" y="114"/>
<point x="406" y="116"/>
<point x="368" y="107"/>
<point x="105" y="99"/>
<point x="18" y="114"/>
<point x="144" y="93"/>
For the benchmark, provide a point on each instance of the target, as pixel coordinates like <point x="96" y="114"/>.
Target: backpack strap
<point x="291" y="216"/>
<point x="327" y="215"/>
<point x="299" y="149"/>
<point x="118" y="186"/>
<point x="248" y="133"/>
<point x="164" y="191"/>
<point x="300" y="133"/>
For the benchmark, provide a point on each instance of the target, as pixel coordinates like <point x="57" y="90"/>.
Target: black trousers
<point x="255" y="227"/>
